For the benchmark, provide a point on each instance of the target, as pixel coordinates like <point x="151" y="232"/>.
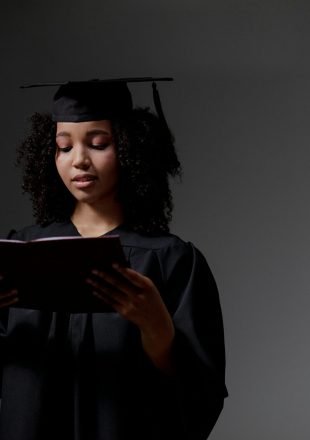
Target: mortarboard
<point x="78" y="101"/>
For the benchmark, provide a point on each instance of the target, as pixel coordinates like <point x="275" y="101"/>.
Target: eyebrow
<point x="88" y="133"/>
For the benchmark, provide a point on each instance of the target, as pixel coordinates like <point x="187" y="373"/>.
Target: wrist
<point x="159" y="348"/>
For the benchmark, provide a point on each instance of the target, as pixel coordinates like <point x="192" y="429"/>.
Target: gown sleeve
<point x="193" y="301"/>
<point x="3" y="322"/>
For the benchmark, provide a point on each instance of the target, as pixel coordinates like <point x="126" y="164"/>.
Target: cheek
<point x="110" y="172"/>
<point x="110" y="165"/>
<point x="115" y="169"/>
<point x="57" y="163"/>
<point x="60" y="167"/>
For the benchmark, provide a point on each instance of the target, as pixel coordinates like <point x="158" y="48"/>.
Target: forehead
<point x="82" y="128"/>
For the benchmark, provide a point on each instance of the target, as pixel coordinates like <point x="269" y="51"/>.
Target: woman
<point x="154" y="367"/>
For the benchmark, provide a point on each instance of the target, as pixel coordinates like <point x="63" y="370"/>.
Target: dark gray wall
<point x="239" y="109"/>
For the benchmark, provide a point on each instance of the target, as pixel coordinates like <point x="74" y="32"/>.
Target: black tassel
<point x="159" y="109"/>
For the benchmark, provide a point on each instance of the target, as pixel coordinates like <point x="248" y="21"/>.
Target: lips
<point x="84" y="178"/>
<point x="84" y="181"/>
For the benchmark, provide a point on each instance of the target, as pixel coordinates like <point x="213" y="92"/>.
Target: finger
<point x="9" y="294"/>
<point x="131" y="275"/>
<point x="107" y="300"/>
<point x="106" y="290"/>
<point x="8" y="302"/>
<point x="114" y="281"/>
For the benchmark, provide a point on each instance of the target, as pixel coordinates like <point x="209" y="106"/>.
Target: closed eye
<point x="100" y="146"/>
<point x="64" y="149"/>
<point x="94" y="146"/>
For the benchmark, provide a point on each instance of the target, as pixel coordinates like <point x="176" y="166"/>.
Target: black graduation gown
<point x="85" y="376"/>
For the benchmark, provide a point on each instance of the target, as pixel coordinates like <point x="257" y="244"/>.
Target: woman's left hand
<point x="137" y="299"/>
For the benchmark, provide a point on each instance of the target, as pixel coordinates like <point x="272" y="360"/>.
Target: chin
<point x="85" y="198"/>
<point x="93" y="199"/>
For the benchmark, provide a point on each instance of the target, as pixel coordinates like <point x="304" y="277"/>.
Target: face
<point x="86" y="160"/>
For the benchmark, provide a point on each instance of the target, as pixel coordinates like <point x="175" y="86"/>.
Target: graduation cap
<point x="96" y="99"/>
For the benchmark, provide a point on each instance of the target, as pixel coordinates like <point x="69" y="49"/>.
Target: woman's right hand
<point x="8" y="297"/>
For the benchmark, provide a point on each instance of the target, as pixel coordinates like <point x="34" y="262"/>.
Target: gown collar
<point x="114" y="231"/>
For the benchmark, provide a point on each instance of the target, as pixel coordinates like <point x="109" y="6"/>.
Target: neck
<point x="93" y="220"/>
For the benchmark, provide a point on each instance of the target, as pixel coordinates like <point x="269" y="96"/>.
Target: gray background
<point x="239" y="108"/>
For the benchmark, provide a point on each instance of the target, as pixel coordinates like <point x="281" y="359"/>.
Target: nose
<point x="80" y="158"/>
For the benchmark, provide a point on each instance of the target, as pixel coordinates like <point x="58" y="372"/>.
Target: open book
<point x="50" y="273"/>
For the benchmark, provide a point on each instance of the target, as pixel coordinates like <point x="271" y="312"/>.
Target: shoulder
<point x="158" y="243"/>
<point x="170" y="250"/>
<point x="33" y="232"/>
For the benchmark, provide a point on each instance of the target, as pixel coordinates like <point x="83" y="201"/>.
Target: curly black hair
<point x="147" y="158"/>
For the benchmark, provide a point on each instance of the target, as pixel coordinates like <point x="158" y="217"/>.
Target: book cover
<point x="50" y="273"/>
